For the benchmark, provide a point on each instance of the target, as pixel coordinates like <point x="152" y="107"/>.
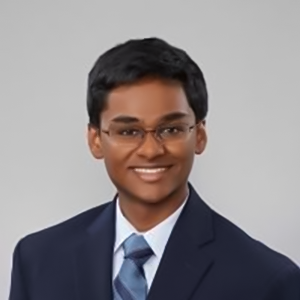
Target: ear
<point x="201" y="138"/>
<point x="94" y="141"/>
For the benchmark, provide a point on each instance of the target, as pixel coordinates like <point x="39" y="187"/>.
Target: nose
<point x="150" y="147"/>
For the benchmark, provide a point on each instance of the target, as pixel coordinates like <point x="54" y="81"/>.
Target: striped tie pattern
<point x="130" y="283"/>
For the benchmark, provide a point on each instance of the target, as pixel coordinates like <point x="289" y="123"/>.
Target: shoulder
<point x="250" y="260"/>
<point x="231" y="237"/>
<point x="62" y="236"/>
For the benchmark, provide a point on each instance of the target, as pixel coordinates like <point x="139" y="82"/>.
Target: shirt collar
<point x="156" y="237"/>
<point x="123" y="228"/>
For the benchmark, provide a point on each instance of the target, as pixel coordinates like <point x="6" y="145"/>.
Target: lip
<point x="150" y="166"/>
<point x="151" y="177"/>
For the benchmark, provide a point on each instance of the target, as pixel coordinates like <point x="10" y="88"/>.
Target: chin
<point x="152" y="194"/>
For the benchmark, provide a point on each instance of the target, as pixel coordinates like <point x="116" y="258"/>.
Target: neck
<point x="145" y="215"/>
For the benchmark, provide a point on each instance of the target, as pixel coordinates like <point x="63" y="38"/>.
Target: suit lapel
<point x="186" y="259"/>
<point x="185" y="262"/>
<point x="94" y="258"/>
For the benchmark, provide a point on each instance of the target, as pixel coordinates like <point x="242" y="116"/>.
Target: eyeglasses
<point x="134" y="136"/>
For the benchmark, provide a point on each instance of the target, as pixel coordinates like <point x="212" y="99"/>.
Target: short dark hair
<point x="141" y="58"/>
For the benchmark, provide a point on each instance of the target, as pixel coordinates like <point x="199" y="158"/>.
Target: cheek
<point x="113" y="168"/>
<point x="182" y="151"/>
<point x="115" y="159"/>
<point x="183" y="155"/>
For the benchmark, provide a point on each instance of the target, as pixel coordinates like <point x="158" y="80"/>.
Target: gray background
<point x="249" y="52"/>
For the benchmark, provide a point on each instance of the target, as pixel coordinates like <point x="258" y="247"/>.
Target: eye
<point x="129" y="132"/>
<point x="172" y="130"/>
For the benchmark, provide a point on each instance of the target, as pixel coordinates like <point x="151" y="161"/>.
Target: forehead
<point x="146" y="100"/>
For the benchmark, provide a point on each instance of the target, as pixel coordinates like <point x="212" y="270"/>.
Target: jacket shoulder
<point x="250" y="260"/>
<point x="238" y="244"/>
<point x="62" y="235"/>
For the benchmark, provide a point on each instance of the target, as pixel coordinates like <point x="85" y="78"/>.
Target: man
<point x="147" y="103"/>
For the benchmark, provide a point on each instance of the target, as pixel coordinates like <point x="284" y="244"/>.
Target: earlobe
<point x="94" y="142"/>
<point x="201" y="139"/>
<point x="200" y="148"/>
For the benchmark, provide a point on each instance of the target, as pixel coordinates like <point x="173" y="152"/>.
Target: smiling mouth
<point x="152" y="174"/>
<point x="150" y="170"/>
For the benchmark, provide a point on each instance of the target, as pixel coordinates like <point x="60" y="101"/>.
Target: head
<point x="147" y="103"/>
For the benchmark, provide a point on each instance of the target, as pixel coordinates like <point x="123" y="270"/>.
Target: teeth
<point x="149" y="170"/>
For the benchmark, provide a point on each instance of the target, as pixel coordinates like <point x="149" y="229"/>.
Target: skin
<point x="147" y="204"/>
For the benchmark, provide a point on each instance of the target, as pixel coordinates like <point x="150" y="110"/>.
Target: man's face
<point x="150" y="170"/>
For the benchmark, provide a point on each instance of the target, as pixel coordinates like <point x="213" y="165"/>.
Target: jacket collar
<point x="186" y="254"/>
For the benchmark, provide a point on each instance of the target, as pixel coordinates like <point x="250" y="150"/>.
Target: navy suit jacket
<point x="206" y="258"/>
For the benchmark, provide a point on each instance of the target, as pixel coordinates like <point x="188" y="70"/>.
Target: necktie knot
<point x="131" y="284"/>
<point x="137" y="249"/>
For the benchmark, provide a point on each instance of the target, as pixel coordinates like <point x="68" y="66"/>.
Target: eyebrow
<point x="168" y="117"/>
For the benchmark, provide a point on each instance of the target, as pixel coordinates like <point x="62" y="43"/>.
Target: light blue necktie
<point x="130" y="283"/>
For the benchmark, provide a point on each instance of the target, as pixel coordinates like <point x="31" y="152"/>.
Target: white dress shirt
<point x="157" y="239"/>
